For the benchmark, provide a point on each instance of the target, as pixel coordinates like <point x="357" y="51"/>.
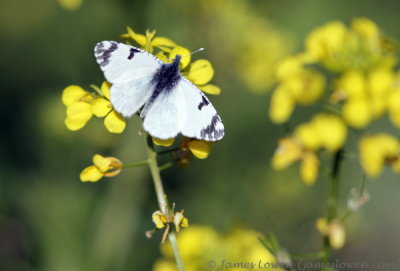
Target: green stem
<point x="162" y="197"/>
<point x="331" y="205"/>
<point x="138" y="164"/>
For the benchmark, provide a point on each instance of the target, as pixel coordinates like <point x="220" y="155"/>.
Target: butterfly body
<point x="170" y="104"/>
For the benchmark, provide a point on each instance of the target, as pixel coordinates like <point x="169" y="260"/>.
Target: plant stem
<point x="162" y="197"/>
<point x="331" y="204"/>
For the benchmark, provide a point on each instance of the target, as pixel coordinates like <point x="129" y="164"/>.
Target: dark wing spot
<point x="132" y="52"/>
<point x="103" y="55"/>
<point x="204" y="102"/>
<point x="210" y="132"/>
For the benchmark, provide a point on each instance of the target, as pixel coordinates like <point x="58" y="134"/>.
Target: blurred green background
<point x="49" y="220"/>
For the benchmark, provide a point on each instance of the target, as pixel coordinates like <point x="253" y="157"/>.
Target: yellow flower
<point x="288" y="152"/>
<point x="70" y="5"/>
<point x="326" y="40"/>
<point x="309" y="168"/>
<point x="101" y="107"/>
<point x="82" y="105"/>
<point x="365" y="28"/>
<point x="159" y="219"/>
<point x="199" y="148"/>
<point x="306" y="87"/>
<point x="163" y="142"/>
<point x="334" y="230"/>
<point x="281" y="105"/>
<point x="375" y="150"/>
<point x="78" y="103"/>
<point x="103" y="167"/>
<point x="357" y="112"/>
<point x="149" y="41"/>
<point x="393" y="105"/>
<point x="324" y="130"/>
<point x="180" y="221"/>
<point x="199" y="244"/>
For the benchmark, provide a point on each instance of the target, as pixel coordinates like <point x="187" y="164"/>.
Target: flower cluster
<point x="200" y="244"/>
<point x="349" y="72"/>
<point x="82" y="105"/>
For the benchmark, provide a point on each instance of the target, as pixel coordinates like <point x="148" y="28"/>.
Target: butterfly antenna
<point x="198" y="50"/>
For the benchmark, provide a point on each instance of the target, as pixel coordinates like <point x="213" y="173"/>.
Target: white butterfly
<point x="170" y="104"/>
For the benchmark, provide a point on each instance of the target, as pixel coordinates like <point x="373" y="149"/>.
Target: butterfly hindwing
<point x="202" y="120"/>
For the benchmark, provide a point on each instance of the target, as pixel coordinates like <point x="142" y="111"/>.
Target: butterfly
<point x="168" y="103"/>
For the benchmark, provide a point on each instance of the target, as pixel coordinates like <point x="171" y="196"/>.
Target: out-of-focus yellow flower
<point x="306" y="87"/>
<point x="334" y="230"/>
<point x="324" y="130"/>
<point x="393" y="105"/>
<point x="325" y="41"/>
<point x="103" y="167"/>
<point x="70" y="5"/>
<point x="309" y="168"/>
<point x="365" y="28"/>
<point x="281" y="106"/>
<point x="375" y="150"/>
<point x="288" y="152"/>
<point x="198" y="244"/>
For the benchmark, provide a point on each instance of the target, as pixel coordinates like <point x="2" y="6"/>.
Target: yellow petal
<point x="105" y="89"/>
<point x="352" y="83"/>
<point x="393" y="104"/>
<point x="200" y="72"/>
<point x="331" y="131"/>
<point x="70" y="5"/>
<point x="337" y="235"/>
<point x="365" y="28"/>
<point x="164" y="44"/>
<point x="281" y="105"/>
<point x="161" y="56"/>
<point x="288" y="151"/>
<point x="200" y="148"/>
<point x="115" y="123"/>
<point x="159" y="219"/>
<point x="163" y="142"/>
<point x="322" y="225"/>
<point x="357" y="112"/>
<point x="309" y="168"/>
<point x="211" y="89"/>
<point x="184" y="53"/>
<point x="78" y="114"/>
<point x="139" y="38"/>
<point x="180" y="221"/>
<point x="307" y="135"/>
<point x="101" y="107"/>
<point x="72" y="94"/>
<point x="91" y="174"/>
<point x="375" y="149"/>
<point x="101" y="162"/>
